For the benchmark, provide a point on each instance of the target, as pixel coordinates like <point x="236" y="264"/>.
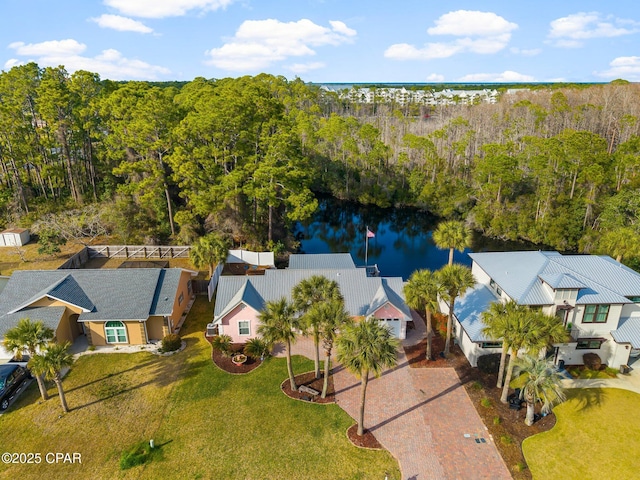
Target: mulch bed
<point x="367" y="440"/>
<point x="225" y="363"/>
<point x="505" y="425"/>
<point x="310" y="381"/>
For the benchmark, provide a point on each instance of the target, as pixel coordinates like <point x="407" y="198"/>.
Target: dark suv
<point x="12" y="377"/>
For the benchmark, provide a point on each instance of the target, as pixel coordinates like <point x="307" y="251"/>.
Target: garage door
<point x="392" y="324"/>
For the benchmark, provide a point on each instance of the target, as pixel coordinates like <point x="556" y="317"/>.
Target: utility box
<point x="14" y="237"/>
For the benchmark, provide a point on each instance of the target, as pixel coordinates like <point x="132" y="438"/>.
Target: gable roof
<point x="600" y="279"/>
<point x="361" y="293"/>
<point x="468" y="310"/>
<point x="628" y="332"/>
<point x="107" y="294"/>
<point x="322" y="261"/>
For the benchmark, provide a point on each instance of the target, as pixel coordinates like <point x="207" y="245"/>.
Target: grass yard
<point x="207" y="423"/>
<point x="595" y="437"/>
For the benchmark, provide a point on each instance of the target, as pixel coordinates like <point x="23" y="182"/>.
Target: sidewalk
<point x="629" y="381"/>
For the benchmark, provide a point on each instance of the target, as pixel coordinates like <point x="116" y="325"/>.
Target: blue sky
<point x="328" y="40"/>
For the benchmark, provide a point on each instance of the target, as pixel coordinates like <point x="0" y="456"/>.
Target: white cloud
<point x="627" y="68"/>
<point x="572" y="30"/>
<point x="435" y="77"/>
<point x="258" y="44"/>
<point x="305" y="67"/>
<point x="471" y="23"/>
<point x="52" y="47"/>
<point x="109" y="64"/>
<point x="122" y="24"/>
<point x="480" y="32"/>
<point x="507" y="76"/>
<point x="12" y="62"/>
<point x="404" y="51"/>
<point x="526" y="52"/>
<point x="164" y="8"/>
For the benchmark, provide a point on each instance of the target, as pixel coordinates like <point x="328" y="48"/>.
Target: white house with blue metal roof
<point x="240" y="298"/>
<point x="597" y="299"/>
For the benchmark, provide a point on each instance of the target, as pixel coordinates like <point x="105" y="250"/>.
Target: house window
<point x="589" y="344"/>
<point x="634" y="299"/>
<point x="181" y="298"/>
<point x="190" y="288"/>
<point x="491" y="344"/>
<point x="492" y="283"/>
<point x="595" y="313"/>
<point x="499" y="291"/>
<point x="115" y="332"/>
<point x="244" y="327"/>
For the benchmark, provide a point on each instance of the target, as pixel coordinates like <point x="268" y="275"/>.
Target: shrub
<point x="485" y="402"/>
<point x="222" y="343"/>
<point x="489" y="363"/>
<point x="139" y="454"/>
<point x="257" y="348"/>
<point x="476" y="385"/>
<point x="171" y="342"/>
<point x="497" y="420"/>
<point x="440" y="321"/>
<point x="506" y="440"/>
<point x="520" y="467"/>
<point x="592" y="361"/>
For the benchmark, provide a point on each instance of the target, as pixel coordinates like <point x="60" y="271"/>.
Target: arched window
<point x="115" y="332"/>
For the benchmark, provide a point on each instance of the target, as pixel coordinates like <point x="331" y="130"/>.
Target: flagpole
<point x="366" y="247"/>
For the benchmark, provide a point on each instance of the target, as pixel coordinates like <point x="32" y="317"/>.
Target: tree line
<point x="246" y="157"/>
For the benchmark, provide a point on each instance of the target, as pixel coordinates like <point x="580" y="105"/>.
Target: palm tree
<point x="620" y="242"/>
<point x="423" y="291"/>
<point x="257" y="348"/>
<point x="453" y="235"/>
<point x="209" y="251"/>
<point x="306" y="295"/>
<point x="278" y="323"/>
<point x="331" y="316"/>
<point x="32" y="337"/>
<point x="499" y="320"/>
<point x="56" y="357"/>
<point x="455" y="280"/>
<point x="532" y="331"/>
<point x="542" y="383"/>
<point x="366" y="347"/>
<point x="222" y="343"/>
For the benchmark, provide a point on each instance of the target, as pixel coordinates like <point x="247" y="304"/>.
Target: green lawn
<point x="597" y="436"/>
<point x="208" y="424"/>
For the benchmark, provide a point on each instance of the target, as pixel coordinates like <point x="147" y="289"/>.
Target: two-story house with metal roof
<point x="597" y="299"/>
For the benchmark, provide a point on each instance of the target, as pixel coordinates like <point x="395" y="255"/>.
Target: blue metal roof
<point x="628" y="332"/>
<point x="321" y="261"/>
<point x="468" y="310"/>
<point x="600" y="279"/>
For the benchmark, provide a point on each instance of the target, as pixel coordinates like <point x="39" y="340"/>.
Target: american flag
<point x="370" y="234"/>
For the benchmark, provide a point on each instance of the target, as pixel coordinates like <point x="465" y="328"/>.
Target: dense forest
<point x="247" y="156"/>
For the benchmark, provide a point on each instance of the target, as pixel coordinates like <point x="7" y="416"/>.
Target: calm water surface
<point x="402" y="242"/>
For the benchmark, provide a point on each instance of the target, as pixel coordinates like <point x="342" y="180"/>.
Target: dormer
<point x="563" y="288"/>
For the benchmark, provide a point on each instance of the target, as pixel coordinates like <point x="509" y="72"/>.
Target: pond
<point x="402" y="241"/>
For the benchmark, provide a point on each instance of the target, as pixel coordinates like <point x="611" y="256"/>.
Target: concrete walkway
<point x="629" y="381"/>
<point x="424" y="417"/>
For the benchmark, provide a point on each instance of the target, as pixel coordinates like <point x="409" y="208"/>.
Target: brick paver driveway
<point x="424" y="417"/>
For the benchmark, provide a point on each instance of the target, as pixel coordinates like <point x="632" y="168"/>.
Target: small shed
<point x="14" y="237"/>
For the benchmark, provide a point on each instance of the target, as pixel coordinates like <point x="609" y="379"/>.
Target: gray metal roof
<point x="561" y="281"/>
<point x="628" y="332"/>
<point x="358" y="290"/>
<point x="468" y="310"/>
<point x="316" y="261"/>
<point x="519" y="275"/>
<point x="107" y="294"/>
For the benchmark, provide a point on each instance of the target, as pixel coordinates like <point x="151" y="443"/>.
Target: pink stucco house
<point x="240" y="299"/>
